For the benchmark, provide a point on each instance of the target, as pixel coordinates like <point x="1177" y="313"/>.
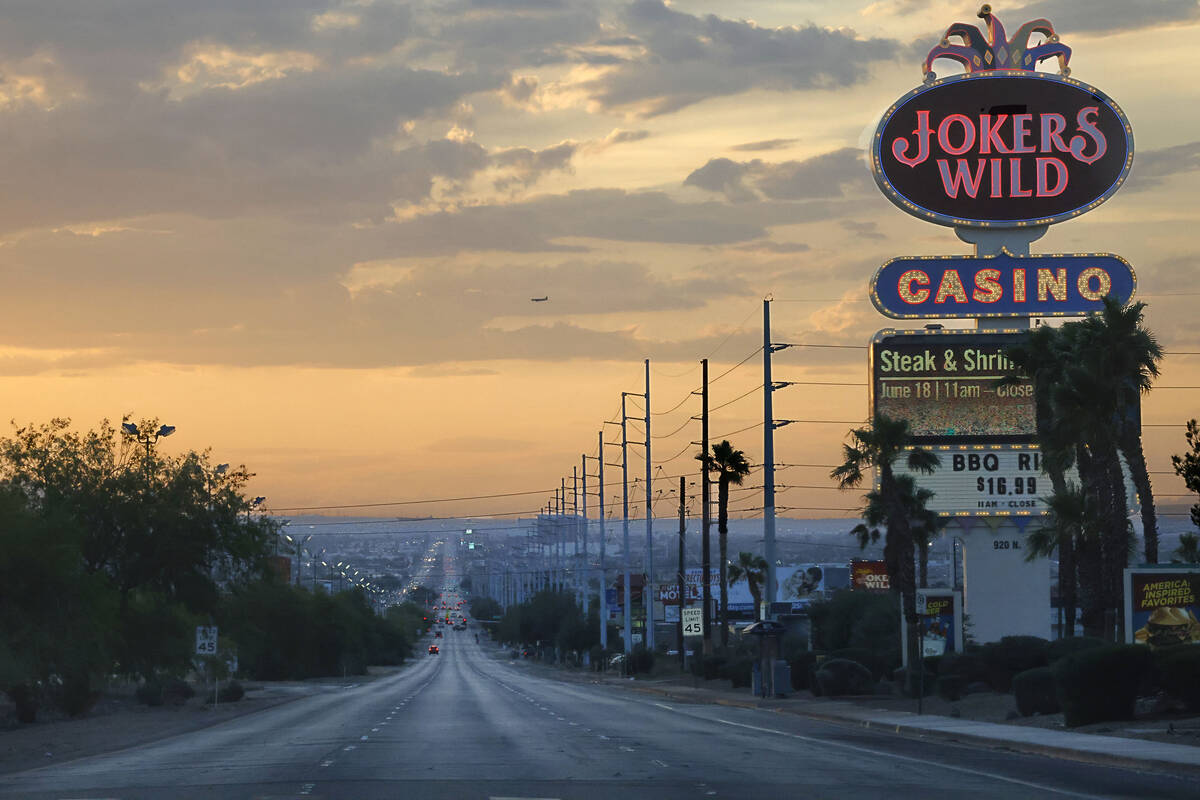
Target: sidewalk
<point x="1107" y="750"/>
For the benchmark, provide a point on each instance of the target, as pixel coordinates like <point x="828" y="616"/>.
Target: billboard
<point x="1161" y="607"/>
<point x="947" y="384"/>
<point x="869" y="576"/>
<point x="1001" y="148"/>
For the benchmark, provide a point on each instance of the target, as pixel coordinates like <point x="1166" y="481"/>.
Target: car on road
<point x="433" y="649"/>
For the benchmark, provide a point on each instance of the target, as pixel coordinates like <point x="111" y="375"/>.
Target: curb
<point x="1030" y="748"/>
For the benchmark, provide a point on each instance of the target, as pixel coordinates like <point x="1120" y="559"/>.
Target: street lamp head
<point x="221" y="468"/>
<point x="129" y="428"/>
<point x="166" y="430"/>
<point x="258" y="501"/>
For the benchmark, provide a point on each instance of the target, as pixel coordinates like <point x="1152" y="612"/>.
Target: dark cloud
<point x="775" y="247"/>
<point x="829" y="175"/>
<point x="539" y="223"/>
<point x="766" y="144"/>
<point x="1152" y="167"/>
<point x="688" y="59"/>
<point x="1102" y="16"/>
<point x="525" y="166"/>
<point x="863" y="230"/>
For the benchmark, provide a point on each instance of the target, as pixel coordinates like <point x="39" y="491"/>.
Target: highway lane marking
<point x="348" y="748"/>
<point x="626" y="749"/>
<point x="363" y="738"/>
<point x="668" y="708"/>
<point x="660" y="763"/>
<point x="921" y="761"/>
<point x="373" y="730"/>
<point x="327" y="762"/>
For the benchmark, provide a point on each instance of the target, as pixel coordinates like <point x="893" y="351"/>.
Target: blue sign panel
<point x="1004" y="285"/>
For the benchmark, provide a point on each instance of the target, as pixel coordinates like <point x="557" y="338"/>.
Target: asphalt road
<point x="465" y="725"/>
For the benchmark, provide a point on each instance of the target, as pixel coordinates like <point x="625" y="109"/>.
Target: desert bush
<point x="1036" y="692"/>
<point x="910" y="681"/>
<point x="26" y="701"/>
<point x="1061" y="648"/>
<point x="841" y="676"/>
<point x="1101" y="683"/>
<point x="231" y="692"/>
<point x="859" y="620"/>
<point x="739" y="670"/>
<point x="871" y="660"/>
<point x="801" y="667"/>
<point x="76" y="696"/>
<point x="1010" y="655"/>
<point x="1178" y="672"/>
<point x="969" y="665"/>
<point x="951" y="687"/>
<point x="641" y="660"/>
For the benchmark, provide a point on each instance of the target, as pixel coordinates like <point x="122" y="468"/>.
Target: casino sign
<point x="1002" y="145"/>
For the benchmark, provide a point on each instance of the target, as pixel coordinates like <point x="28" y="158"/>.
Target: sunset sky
<point x="307" y="233"/>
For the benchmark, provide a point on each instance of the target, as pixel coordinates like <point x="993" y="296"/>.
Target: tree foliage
<point x="1187" y="466"/>
<point x="731" y="467"/>
<point x="753" y="569"/>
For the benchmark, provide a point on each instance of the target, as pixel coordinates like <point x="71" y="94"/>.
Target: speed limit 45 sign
<point x="693" y="621"/>
<point x="206" y="640"/>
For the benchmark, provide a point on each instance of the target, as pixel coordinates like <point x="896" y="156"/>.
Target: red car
<point x="433" y="649"/>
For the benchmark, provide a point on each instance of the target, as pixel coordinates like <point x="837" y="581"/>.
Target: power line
<point x="406" y="502"/>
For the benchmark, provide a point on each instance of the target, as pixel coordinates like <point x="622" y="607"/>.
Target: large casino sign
<point x="1002" y="145"/>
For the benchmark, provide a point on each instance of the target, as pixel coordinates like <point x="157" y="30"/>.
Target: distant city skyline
<point x="307" y="235"/>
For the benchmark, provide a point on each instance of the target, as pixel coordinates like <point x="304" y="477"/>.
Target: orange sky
<point x="308" y="238"/>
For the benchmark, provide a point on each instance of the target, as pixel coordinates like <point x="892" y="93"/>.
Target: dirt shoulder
<point x="119" y="721"/>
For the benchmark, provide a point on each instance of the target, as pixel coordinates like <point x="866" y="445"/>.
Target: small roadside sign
<point x="693" y="621"/>
<point x="921" y="603"/>
<point x="206" y="640"/>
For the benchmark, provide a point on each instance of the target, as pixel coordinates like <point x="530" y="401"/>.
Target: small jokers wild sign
<point x="1001" y="145"/>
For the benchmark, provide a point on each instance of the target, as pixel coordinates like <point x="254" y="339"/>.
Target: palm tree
<point x="879" y="447"/>
<point x="1131" y="356"/>
<point x="1042" y="356"/>
<point x="754" y="569"/>
<point x="731" y="467"/>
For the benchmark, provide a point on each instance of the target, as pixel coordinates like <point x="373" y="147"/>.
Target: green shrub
<point x="1010" y="655"/>
<point x="860" y="620"/>
<point x="150" y="693"/>
<point x="951" y="687"/>
<point x="792" y="646"/>
<point x="76" y="696"/>
<point x="872" y="661"/>
<point x="1101" y="683"/>
<point x="231" y="692"/>
<point x="710" y="667"/>
<point x="26" y="701"/>
<point x="1036" y="691"/>
<point x="641" y="660"/>
<point x="801" y="667"/>
<point x="910" y="681"/>
<point x="1061" y="648"/>
<point x="739" y="670"/>
<point x="176" y="692"/>
<point x="841" y="676"/>
<point x="970" y="666"/>
<point x="1178" y="670"/>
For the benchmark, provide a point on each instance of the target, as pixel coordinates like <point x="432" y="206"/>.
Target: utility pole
<point x="768" y="461"/>
<point x="603" y="573"/>
<point x="560" y="540"/>
<point x="649" y="589"/>
<point x="706" y="511"/>
<point x="625" y="525"/>
<point x="682" y="553"/>
<point x="585" y="568"/>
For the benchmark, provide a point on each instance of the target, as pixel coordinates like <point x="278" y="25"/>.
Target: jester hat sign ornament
<point x="1001" y="145"/>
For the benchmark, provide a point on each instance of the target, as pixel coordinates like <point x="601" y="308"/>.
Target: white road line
<point x="922" y="761"/>
<point x="363" y="738"/>
<point x="348" y="748"/>
<point x="373" y="730"/>
<point x="327" y="762"/>
<point x="660" y="705"/>
<point x="660" y="763"/>
<point x="627" y="749"/>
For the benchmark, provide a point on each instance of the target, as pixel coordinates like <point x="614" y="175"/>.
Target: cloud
<point x="684" y="59"/>
<point x="766" y="144"/>
<point x="863" y="230"/>
<point x="524" y="166"/>
<point x="1105" y="16"/>
<point x="1152" y="167"/>
<point x="780" y="248"/>
<point x="829" y="175"/>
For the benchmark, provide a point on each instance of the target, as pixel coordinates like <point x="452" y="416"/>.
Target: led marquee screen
<point x="948" y="387"/>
